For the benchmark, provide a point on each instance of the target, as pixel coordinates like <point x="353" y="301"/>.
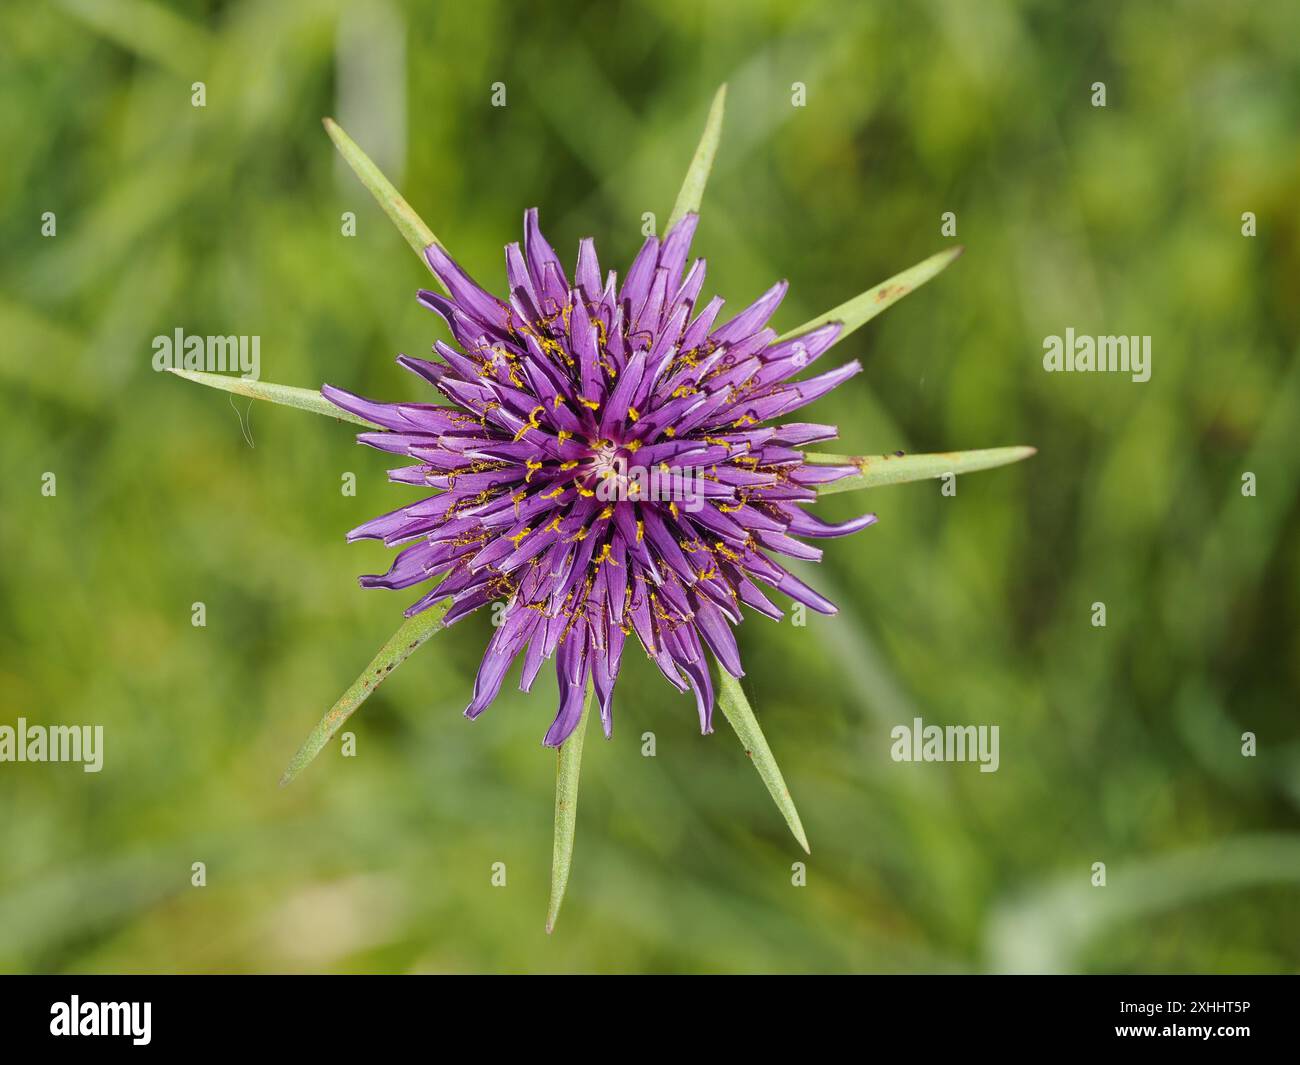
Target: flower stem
<point x="568" y="763"/>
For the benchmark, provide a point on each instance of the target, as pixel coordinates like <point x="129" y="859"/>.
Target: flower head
<point x="606" y="468"/>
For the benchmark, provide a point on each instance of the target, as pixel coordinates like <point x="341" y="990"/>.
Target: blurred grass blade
<point x="878" y="470"/>
<point x="285" y="395"/>
<point x="400" y="646"/>
<point x="1051" y="927"/>
<point x="148" y="29"/>
<point x="692" y="191"/>
<point x="400" y="213"/>
<point x="568" y="763"/>
<point x="861" y="309"/>
<point x="732" y="701"/>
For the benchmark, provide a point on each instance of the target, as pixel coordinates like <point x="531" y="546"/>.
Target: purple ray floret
<point x="603" y="468"/>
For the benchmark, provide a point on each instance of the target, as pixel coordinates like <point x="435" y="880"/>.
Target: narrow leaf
<point x="400" y="213"/>
<point x="285" y="395"/>
<point x="880" y="470"/>
<point x="568" y="762"/>
<point x="736" y="708"/>
<point x="692" y="191"/>
<point x="861" y="309"/>
<point x="400" y="646"/>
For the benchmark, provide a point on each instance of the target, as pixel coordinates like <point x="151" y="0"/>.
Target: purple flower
<point x="604" y="468"/>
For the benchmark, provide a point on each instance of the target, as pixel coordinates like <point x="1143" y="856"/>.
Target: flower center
<point x="610" y="465"/>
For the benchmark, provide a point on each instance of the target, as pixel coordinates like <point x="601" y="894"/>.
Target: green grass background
<point x="1119" y="745"/>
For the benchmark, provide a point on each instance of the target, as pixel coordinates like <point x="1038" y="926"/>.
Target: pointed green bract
<point x="856" y="312"/>
<point x="880" y="470"/>
<point x="402" y="214"/>
<point x="568" y="763"/>
<point x="285" y="395"/>
<point x="400" y="646"/>
<point x="692" y="191"/>
<point x="736" y="708"/>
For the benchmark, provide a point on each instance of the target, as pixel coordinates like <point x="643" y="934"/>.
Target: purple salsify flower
<point x="605" y="469"/>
